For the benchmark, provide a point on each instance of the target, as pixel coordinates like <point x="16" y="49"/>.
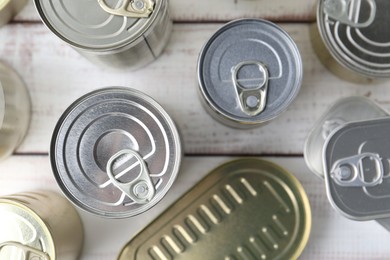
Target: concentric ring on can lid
<point x="252" y="59"/>
<point x="115" y="152"/>
<point x="86" y="25"/>
<point x="356" y="34"/>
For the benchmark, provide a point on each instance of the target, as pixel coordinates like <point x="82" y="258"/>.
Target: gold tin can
<point x="39" y="225"/>
<point x="9" y="8"/>
<point x="244" y="209"/>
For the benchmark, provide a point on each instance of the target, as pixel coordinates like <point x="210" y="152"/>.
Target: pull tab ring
<point x="141" y="190"/>
<point x="338" y="10"/>
<point x="130" y="8"/>
<point x="252" y="101"/>
<point x="29" y="252"/>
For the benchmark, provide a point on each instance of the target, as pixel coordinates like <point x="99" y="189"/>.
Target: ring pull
<point x="141" y="190"/>
<point x="338" y="10"/>
<point x="130" y="8"/>
<point x="252" y="100"/>
<point x="29" y="252"/>
<point x="349" y="172"/>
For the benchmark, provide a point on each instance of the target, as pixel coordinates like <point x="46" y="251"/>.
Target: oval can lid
<point x="244" y="207"/>
<point x="356" y="167"/>
<point x="356" y="34"/>
<point x="250" y="71"/>
<point x="87" y="25"/>
<point x="115" y="152"/>
<point x="23" y="232"/>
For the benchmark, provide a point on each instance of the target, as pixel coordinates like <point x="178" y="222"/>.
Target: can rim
<point x="170" y="123"/>
<point x="113" y="47"/>
<point x="214" y="107"/>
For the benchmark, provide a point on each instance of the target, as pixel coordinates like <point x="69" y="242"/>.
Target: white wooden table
<point x="56" y="75"/>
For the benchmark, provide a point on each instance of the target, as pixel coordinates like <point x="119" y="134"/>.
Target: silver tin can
<point x="249" y="72"/>
<point x="115" y="152"/>
<point x="15" y="110"/>
<point x="39" y="225"/>
<point x="355" y="33"/>
<point x="119" y="34"/>
<point x="10" y="8"/>
<point x="357" y="170"/>
<point x="343" y="111"/>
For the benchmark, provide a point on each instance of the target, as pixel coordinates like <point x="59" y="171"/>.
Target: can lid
<point x="356" y="166"/>
<point x="342" y="111"/>
<point x="261" y="208"/>
<point x="356" y="34"/>
<point x="99" y="24"/>
<point x="249" y="71"/>
<point x="115" y="152"/>
<point x="24" y="235"/>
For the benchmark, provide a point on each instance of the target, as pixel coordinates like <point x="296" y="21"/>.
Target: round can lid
<point x="356" y="34"/>
<point x="115" y="152"/>
<point x="23" y="233"/>
<point x="261" y="208"/>
<point x="98" y="24"/>
<point x="249" y="71"/>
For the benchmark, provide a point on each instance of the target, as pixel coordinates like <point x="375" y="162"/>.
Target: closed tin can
<point x="244" y="209"/>
<point x="249" y="72"/>
<point x="119" y="34"/>
<point x="39" y="225"/>
<point x="115" y="152"/>
<point x="357" y="170"/>
<point x="343" y="111"/>
<point x="15" y="109"/>
<point x="9" y="8"/>
<point x="356" y="35"/>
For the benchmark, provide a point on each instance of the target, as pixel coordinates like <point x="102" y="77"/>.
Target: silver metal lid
<point x="99" y="24"/>
<point x="249" y="71"/>
<point x="115" y="152"/>
<point x="357" y="169"/>
<point x="356" y="34"/>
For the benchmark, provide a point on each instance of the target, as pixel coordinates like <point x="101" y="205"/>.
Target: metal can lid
<point x="24" y="235"/>
<point x="100" y="24"/>
<point x="356" y="34"/>
<point x="249" y="71"/>
<point x="115" y="152"/>
<point x="343" y="111"/>
<point x="255" y="205"/>
<point x="356" y="166"/>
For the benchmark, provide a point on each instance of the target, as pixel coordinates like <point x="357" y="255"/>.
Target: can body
<point x="354" y="38"/>
<point x="9" y="8"/>
<point x="122" y="42"/>
<point x="14" y="110"/>
<point x="244" y="82"/>
<point x="42" y="224"/>
<point x="115" y="152"/>
<point x="247" y="207"/>
<point x="341" y="112"/>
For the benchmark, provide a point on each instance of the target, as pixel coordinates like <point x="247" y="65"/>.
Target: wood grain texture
<point x="221" y="10"/>
<point x="57" y="75"/>
<point x="332" y="235"/>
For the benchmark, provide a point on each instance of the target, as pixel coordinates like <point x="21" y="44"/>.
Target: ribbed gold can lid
<point x="244" y="209"/>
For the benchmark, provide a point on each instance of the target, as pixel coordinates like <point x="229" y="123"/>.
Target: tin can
<point x="248" y="73"/>
<point x="15" y="110"/>
<point x="355" y="34"/>
<point x="244" y="209"/>
<point x="39" y="225"/>
<point x="9" y="8"/>
<point x="343" y="111"/>
<point x="119" y="34"/>
<point x="115" y="152"/>
<point x="357" y="170"/>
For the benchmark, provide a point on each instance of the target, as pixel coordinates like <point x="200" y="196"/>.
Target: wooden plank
<point x="332" y="235"/>
<point x="222" y="10"/>
<point x="57" y="75"/>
